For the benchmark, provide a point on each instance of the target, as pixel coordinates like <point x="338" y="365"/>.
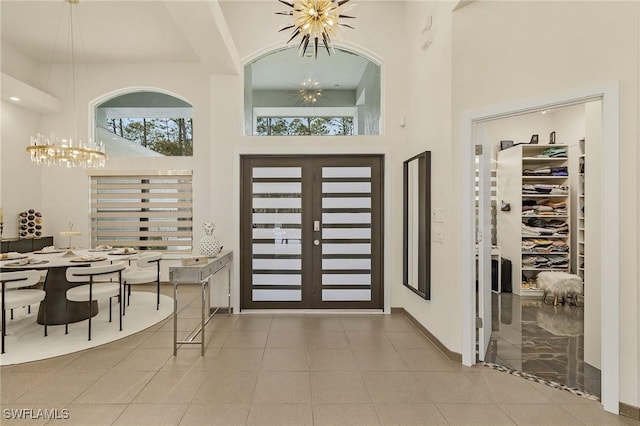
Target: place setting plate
<point x="102" y="249"/>
<point x="13" y="256"/>
<point x="28" y="261"/>
<point x="85" y="259"/>
<point x="50" y="251"/>
<point x="123" y="252"/>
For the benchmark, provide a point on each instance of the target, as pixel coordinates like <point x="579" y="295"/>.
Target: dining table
<point x="55" y="262"/>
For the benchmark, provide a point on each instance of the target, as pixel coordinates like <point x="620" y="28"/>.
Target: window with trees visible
<point x="300" y="126"/>
<point x="145" y="123"/>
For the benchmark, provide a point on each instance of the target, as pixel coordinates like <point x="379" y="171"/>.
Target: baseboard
<point x="453" y="356"/>
<point x="629" y="411"/>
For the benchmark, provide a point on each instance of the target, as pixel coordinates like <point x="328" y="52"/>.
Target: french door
<point x="311" y="232"/>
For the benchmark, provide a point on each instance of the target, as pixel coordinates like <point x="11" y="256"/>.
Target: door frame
<point x="608" y="94"/>
<point x="312" y="208"/>
<point x="306" y="150"/>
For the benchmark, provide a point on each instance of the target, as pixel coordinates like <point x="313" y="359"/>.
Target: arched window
<point x="289" y="95"/>
<point x="145" y="123"/>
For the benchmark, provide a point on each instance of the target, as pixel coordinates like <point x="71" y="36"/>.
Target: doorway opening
<point x="607" y="157"/>
<point x="545" y="214"/>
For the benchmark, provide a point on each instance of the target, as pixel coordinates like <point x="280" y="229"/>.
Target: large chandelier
<point x="317" y="20"/>
<point x="71" y="151"/>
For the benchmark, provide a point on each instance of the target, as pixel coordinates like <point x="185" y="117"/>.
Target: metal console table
<point x="194" y="274"/>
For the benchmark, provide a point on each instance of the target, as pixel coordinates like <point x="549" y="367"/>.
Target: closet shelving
<point x="581" y="209"/>
<point x="534" y="232"/>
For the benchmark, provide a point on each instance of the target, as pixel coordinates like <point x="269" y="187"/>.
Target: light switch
<point x="438" y="235"/>
<point x="438" y="215"/>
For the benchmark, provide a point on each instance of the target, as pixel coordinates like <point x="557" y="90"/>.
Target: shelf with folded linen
<point x="544" y="206"/>
<point x="539" y="262"/>
<point x="544" y="245"/>
<point x="537" y="189"/>
<point x="545" y="151"/>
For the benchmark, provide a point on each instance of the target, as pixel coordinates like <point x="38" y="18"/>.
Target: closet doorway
<point x="311" y="232"/>
<point x="543" y="219"/>
<point x="474" y="133"/>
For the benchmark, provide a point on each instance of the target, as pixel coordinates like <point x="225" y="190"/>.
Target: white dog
<point x="560" y="284"/>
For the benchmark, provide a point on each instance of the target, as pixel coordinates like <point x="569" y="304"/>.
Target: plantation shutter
<point x="144" y="210"/>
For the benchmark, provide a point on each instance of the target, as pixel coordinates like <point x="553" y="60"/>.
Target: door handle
<point x="316" y="225"/>
<point x="316" y="242"/>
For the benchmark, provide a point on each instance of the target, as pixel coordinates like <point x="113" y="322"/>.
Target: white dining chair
<point x="15" y="296"/>
<point x="146" y="270"/>
<point x="94" y="290"/>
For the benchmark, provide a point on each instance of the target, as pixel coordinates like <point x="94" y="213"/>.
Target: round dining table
<point x="55" y="263"/>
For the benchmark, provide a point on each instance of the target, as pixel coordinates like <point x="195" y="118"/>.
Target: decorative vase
<point x="209" y="245"/>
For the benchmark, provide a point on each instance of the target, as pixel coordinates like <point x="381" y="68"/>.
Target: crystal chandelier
<point x="315" y="19"/>
<point x="64" y="152"/>
<point x="69" y="152"/>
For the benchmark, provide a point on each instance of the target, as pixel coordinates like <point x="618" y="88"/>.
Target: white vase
<point x="210" y="246"/>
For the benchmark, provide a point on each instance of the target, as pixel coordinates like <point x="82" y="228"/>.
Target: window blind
<point x="144" y="210"/>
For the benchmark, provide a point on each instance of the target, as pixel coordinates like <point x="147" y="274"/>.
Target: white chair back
<point x="20" y="279"/>
<point x="83" y="274"/>
<point x="147" y="258"/>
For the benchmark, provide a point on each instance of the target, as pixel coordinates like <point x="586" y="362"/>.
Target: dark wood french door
<point x="311" y="232"/>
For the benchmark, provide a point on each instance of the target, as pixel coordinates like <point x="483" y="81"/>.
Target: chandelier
<point x="315" y="19"/>
<point x="310" y="91"/>
<point x="69" y="152"/>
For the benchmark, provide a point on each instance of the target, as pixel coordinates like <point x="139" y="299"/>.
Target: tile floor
<point x="283" y="369"/>
<point x="539" y="338"/>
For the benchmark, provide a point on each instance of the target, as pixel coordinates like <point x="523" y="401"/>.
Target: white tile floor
<point x="284" y="369"/>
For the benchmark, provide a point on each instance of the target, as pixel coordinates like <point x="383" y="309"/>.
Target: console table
<point x="199" y="274"/>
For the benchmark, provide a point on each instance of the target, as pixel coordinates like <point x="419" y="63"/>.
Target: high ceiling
<point x="150" y="31"/>
<point x="111" y="31"/>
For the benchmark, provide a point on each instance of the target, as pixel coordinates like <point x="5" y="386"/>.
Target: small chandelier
<point x="70" y="152"/>
<point x="317" y="20"/>
<point x="310" y="91"/>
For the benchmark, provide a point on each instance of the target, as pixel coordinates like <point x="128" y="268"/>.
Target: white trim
<point x="387" y="232"/>
<point x="305" y="111"/>
<point x="610" y="208"/>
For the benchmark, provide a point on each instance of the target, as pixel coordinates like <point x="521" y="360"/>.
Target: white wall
<point x="19" y="177"/>
<point x="427" y="108"/>
<point x="65" y="192"/>
<point x="508" y="51"/>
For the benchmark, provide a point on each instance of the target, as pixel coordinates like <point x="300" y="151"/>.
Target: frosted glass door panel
<point x="277" y="172"/>
<point x="347" y="187"/>
<point x="346" y="218"/>
<point x="345" y="202"/>
<point x="276" y="248"/>
<point x="280" y="234"/>
<point x="346" y="172"/>
<point x="273" y="218"/>
<point x="277" y="203"/>
<point x="346" y="248"/>
<point x="277" y="295"/>
<point x="346" y="234"/>
<point x="277" y="188"/>
<point x="277" y="279"/>
<point x="346" y="295"/>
